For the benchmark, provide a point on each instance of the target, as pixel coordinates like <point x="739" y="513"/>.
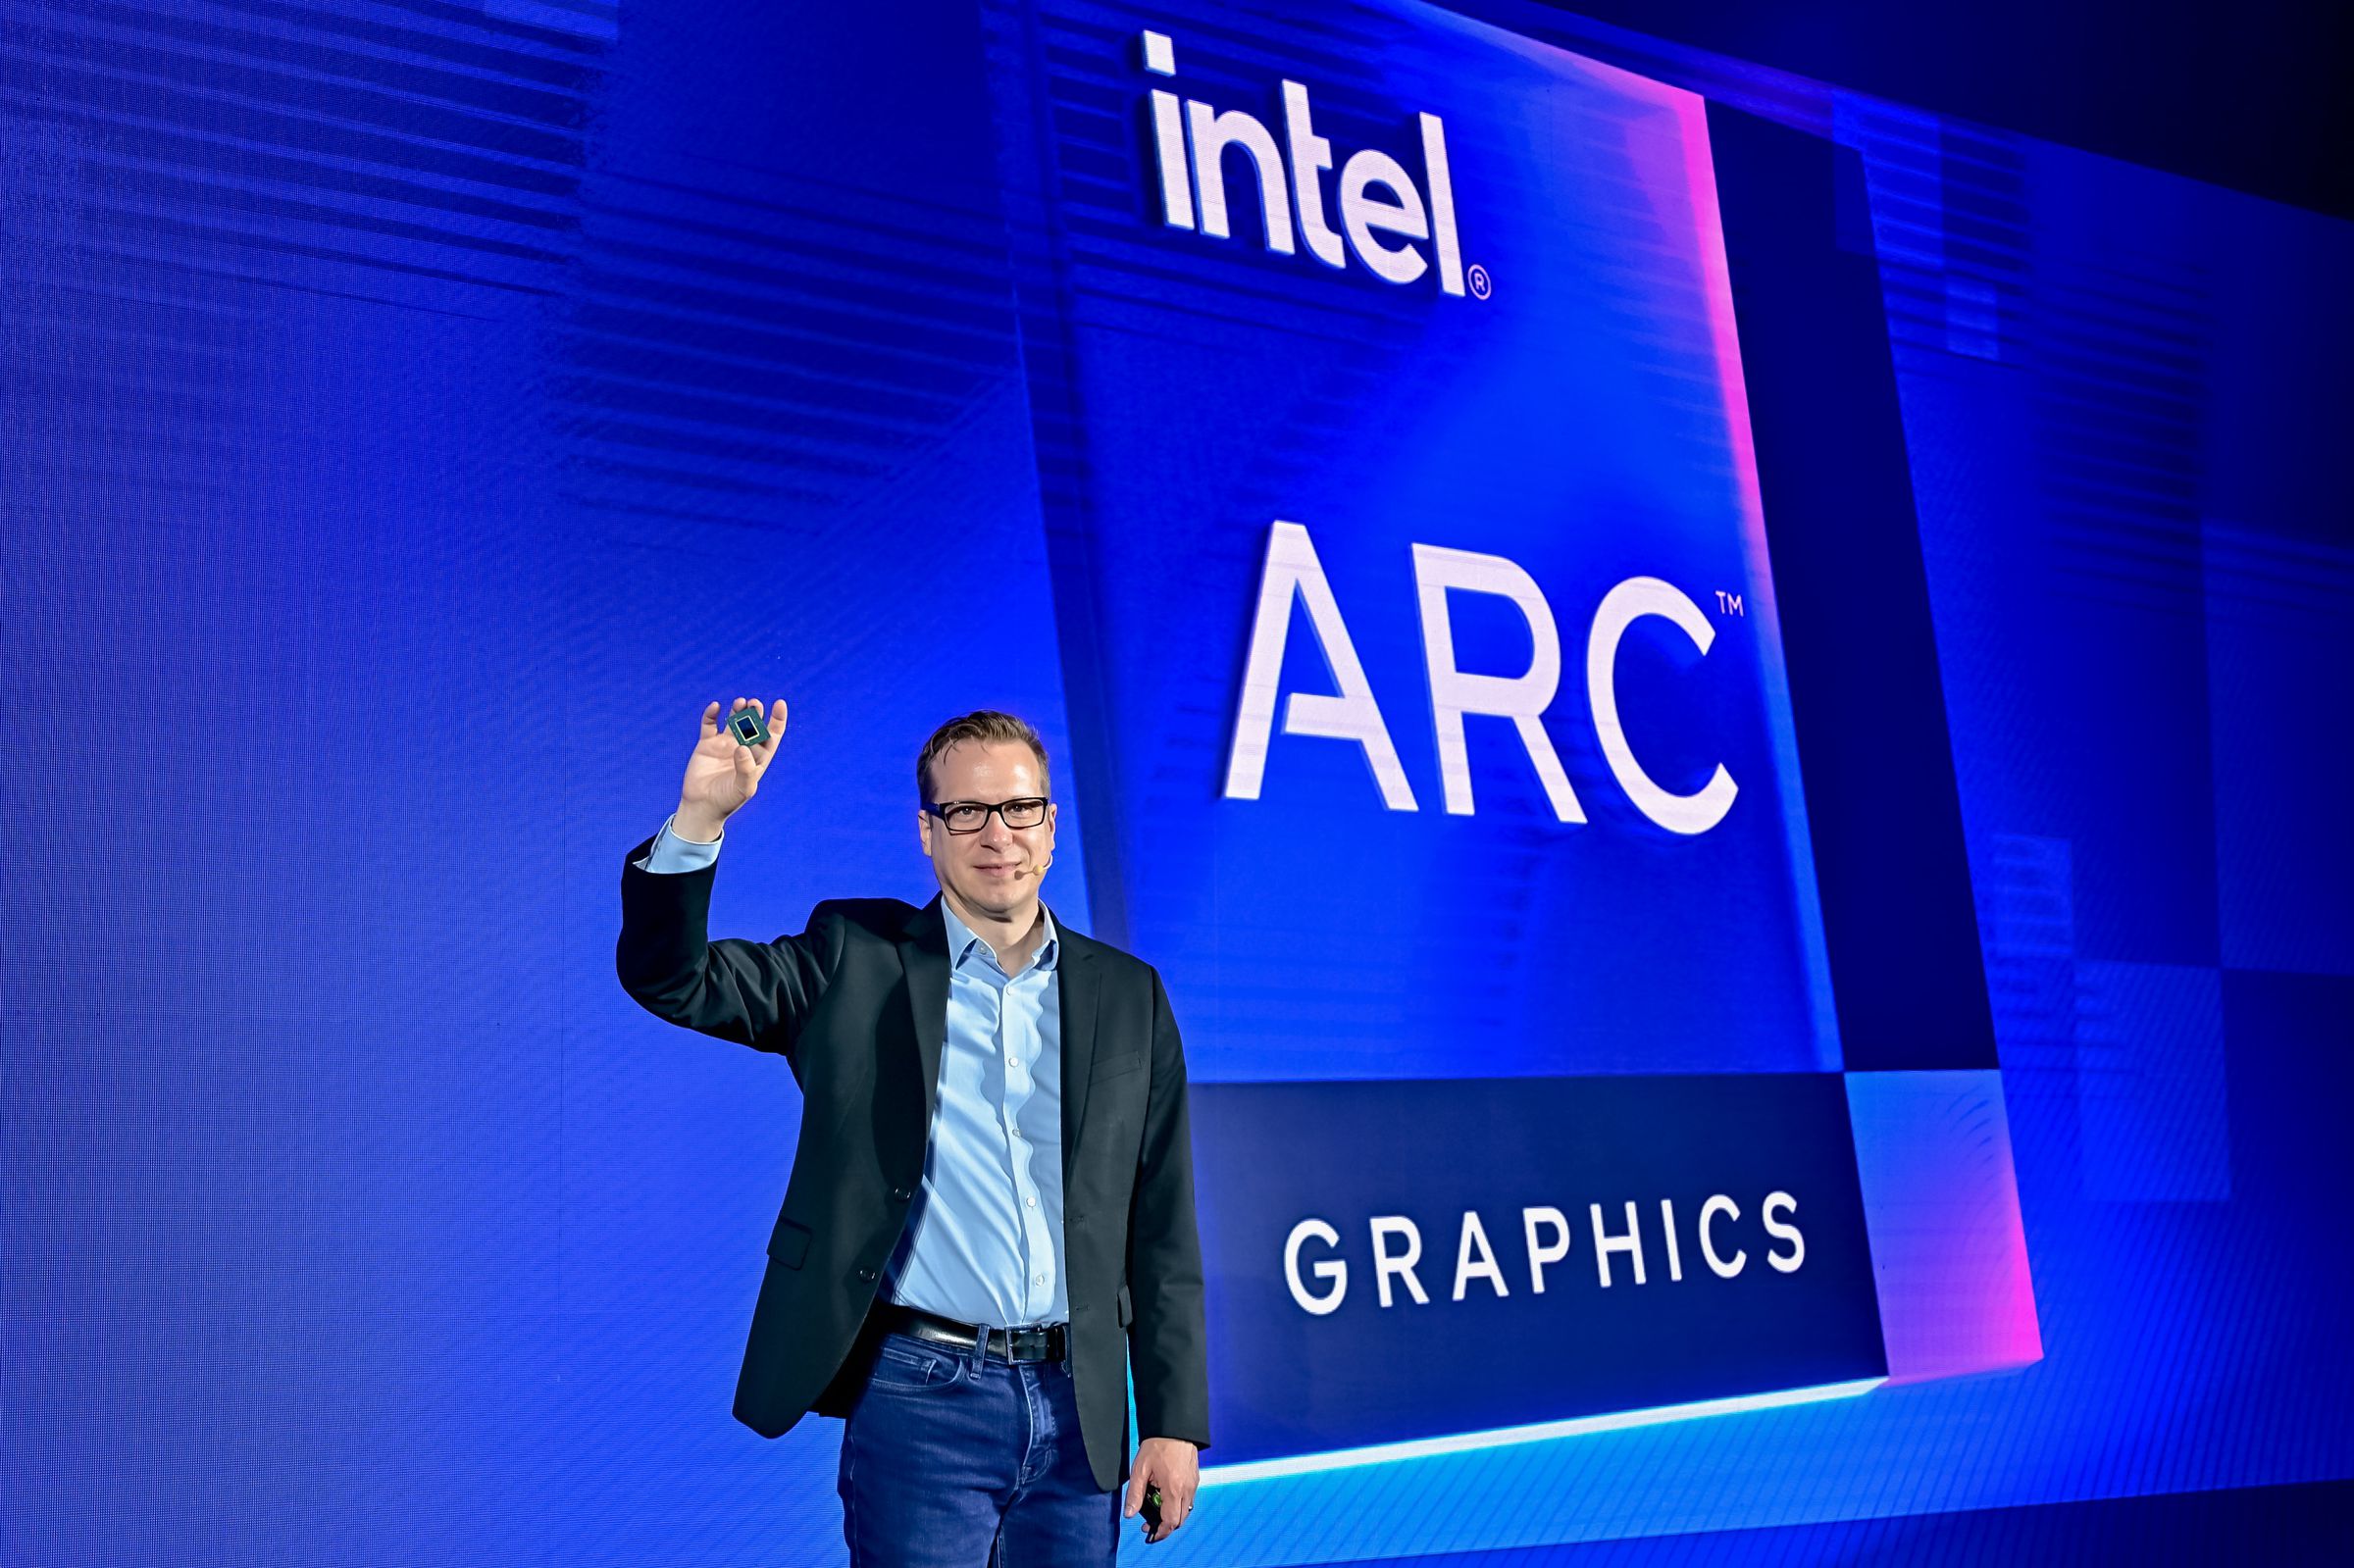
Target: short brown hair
<point x="986" y="726"/>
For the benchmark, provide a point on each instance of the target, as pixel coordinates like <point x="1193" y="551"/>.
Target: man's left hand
<point x="1173" y="1466"/>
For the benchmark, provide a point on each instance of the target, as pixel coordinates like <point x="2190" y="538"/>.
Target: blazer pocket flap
<point x="1113" y="1066"/>
<point x="1127" y="1308"/>
<point x="789" y="1242"/>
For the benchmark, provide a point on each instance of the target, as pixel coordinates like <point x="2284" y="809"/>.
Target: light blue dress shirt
<point x="983" y="1242"/>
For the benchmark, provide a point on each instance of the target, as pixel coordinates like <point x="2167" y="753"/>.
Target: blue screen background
<point x="419" y="411"/>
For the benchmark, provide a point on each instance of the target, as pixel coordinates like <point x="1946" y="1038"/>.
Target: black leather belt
<point x="1049" y="1342"/>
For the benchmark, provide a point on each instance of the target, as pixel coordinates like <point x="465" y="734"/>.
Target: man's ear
<point x="923" y="829"/>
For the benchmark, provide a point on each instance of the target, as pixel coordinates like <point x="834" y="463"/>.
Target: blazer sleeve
<point x="1168" y="1341"/>
<point x="754" y="994"/>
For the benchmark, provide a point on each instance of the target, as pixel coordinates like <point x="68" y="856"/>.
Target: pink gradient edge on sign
<point x="1949" y="1251"/>
<point x="1932" y="1148"/>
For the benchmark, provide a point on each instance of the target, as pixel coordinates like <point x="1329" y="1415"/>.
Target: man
<point x="994" y="1180"/>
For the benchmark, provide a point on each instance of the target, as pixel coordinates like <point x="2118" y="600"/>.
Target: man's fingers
<point x="776" y="718"/>
<point x="1136" y="1494"/>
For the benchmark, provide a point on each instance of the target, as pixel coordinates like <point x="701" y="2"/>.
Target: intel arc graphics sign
<point x="1428" y="716"/>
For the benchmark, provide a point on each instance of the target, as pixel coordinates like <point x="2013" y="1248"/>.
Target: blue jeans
<point x="952" y="1458"/>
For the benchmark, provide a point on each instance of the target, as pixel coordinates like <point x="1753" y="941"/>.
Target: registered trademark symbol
<point x="1481" y="285"/>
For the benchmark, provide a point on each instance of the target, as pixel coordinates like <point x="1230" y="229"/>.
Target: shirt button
<point x="1038" y="1278"/>
<point x="1031" y="1201"/>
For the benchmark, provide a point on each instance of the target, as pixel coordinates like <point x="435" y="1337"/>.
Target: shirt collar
<point x="962" y="936"/>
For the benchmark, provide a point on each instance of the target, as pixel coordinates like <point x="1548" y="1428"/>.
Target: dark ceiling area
<point x="2252" y="96"/>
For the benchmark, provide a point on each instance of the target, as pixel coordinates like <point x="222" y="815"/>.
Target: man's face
<point x="992" y="871"/>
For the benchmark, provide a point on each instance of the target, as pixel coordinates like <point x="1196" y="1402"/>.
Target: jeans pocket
<point x="907" y="1365"/>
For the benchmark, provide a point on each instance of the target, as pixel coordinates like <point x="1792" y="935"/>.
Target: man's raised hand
<point x="724" y="773"/>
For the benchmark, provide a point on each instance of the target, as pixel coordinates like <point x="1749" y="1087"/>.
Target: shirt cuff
<point x="673" y="854"/>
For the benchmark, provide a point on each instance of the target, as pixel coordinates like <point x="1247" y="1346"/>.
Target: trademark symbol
<point x="1728" y="603"/>
<point x="1481" y="285"/>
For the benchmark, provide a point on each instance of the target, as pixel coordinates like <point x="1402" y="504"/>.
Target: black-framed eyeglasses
<point x="971" y="816"/>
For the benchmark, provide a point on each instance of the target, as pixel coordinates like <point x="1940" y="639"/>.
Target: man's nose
<point x="994" y="829"/>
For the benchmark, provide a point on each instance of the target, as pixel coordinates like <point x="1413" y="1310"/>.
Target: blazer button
<point x="899" y="1193"/>
<point x="866" y="1273"/>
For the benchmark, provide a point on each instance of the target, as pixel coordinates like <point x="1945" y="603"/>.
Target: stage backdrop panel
<point x="1415" y="569"/>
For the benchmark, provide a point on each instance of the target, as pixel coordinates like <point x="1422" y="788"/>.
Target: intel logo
<point x="1384" y="216"/>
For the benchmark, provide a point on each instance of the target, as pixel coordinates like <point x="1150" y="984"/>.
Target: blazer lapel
<point x="1076" y="985"/>
<point x="924" y="953"/>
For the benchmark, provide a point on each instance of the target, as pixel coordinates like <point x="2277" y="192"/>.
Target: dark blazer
<point x="858" y="1005"/>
